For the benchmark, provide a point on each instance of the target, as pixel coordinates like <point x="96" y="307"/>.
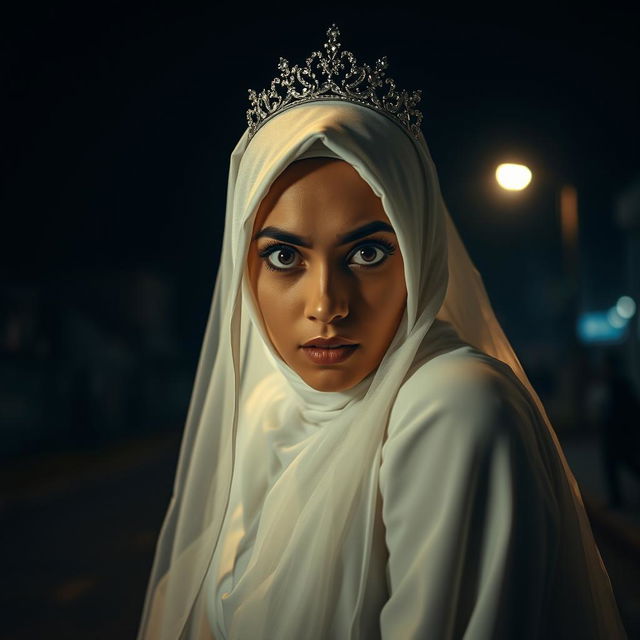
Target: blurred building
<point x="88" y="357"/>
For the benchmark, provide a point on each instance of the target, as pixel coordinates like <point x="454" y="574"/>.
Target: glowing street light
<point x="513" y="177"/>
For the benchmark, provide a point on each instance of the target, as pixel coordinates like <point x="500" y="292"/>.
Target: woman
<point x="364" y="456"/>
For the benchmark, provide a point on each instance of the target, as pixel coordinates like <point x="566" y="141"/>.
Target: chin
<point x="332" y="380"/>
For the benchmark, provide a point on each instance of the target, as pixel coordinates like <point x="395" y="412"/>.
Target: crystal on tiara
<point x="334" y="75"/>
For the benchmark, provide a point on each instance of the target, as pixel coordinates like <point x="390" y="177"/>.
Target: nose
<point x="327" y="297"/>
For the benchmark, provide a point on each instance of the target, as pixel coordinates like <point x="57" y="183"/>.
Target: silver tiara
<point x="334" y="75"/>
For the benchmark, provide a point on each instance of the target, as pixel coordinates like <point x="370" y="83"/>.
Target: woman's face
<point x="324" y="262"/>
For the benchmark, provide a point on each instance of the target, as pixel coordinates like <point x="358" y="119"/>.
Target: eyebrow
<point x="356" y="234"/>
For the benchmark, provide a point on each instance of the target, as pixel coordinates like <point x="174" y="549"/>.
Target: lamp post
<point x="517" y="177"/>
<point x="568" y="206"/>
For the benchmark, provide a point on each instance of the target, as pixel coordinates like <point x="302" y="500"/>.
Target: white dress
<point x="471" y="539"/>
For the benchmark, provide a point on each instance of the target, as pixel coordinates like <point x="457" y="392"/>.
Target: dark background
<point x="118" y="124"/>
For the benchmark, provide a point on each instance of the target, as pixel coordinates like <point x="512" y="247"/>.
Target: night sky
<point x="120" y="119"/>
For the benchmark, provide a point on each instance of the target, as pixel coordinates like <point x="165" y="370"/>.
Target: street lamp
<point x="513" y="177"/>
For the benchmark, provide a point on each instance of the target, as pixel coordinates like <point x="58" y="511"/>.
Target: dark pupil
<point x="371" y="253"/>
<point x="285" y="252"/>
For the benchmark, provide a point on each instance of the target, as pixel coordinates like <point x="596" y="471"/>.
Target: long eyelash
<point x="388" y="246"/>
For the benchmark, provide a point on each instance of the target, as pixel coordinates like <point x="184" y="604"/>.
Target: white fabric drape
<point x="308" y="511"/>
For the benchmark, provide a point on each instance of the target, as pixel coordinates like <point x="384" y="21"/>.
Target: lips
<point x="329" y="343"/>
<point x="328" y="351"/>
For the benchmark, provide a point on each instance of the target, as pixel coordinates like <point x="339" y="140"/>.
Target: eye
<point x="372" y="254"/>
<point x="280" y="257"/>
<point x="368" y="255"/>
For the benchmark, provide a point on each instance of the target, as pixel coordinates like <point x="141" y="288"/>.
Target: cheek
<point x="385" y="316"/>
<point x="277" y="304"/>
<point x="385" y="297"/>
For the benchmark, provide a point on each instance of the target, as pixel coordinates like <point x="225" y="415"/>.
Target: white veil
<point x="324" y="500"/>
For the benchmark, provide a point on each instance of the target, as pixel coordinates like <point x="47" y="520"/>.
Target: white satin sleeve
<point x="470" y="537"/>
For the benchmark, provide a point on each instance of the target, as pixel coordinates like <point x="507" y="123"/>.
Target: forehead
<point x="319" y="195"/>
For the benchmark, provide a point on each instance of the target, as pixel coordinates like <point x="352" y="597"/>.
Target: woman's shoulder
<point x="461" y="374"/>
<point x="464" y="405"/>
<point x="464" y="389"/>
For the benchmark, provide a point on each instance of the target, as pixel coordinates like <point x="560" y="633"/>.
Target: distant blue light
<point x="615" y="319"/>
<point x="596" y="326"/>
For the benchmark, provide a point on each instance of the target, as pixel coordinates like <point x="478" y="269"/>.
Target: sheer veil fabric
<point x="319" y="510"/>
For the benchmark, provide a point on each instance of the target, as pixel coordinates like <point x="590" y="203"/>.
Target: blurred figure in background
<point x="618" y="411"/>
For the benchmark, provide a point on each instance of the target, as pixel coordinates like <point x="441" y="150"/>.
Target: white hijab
<point x="324" y="498"/>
